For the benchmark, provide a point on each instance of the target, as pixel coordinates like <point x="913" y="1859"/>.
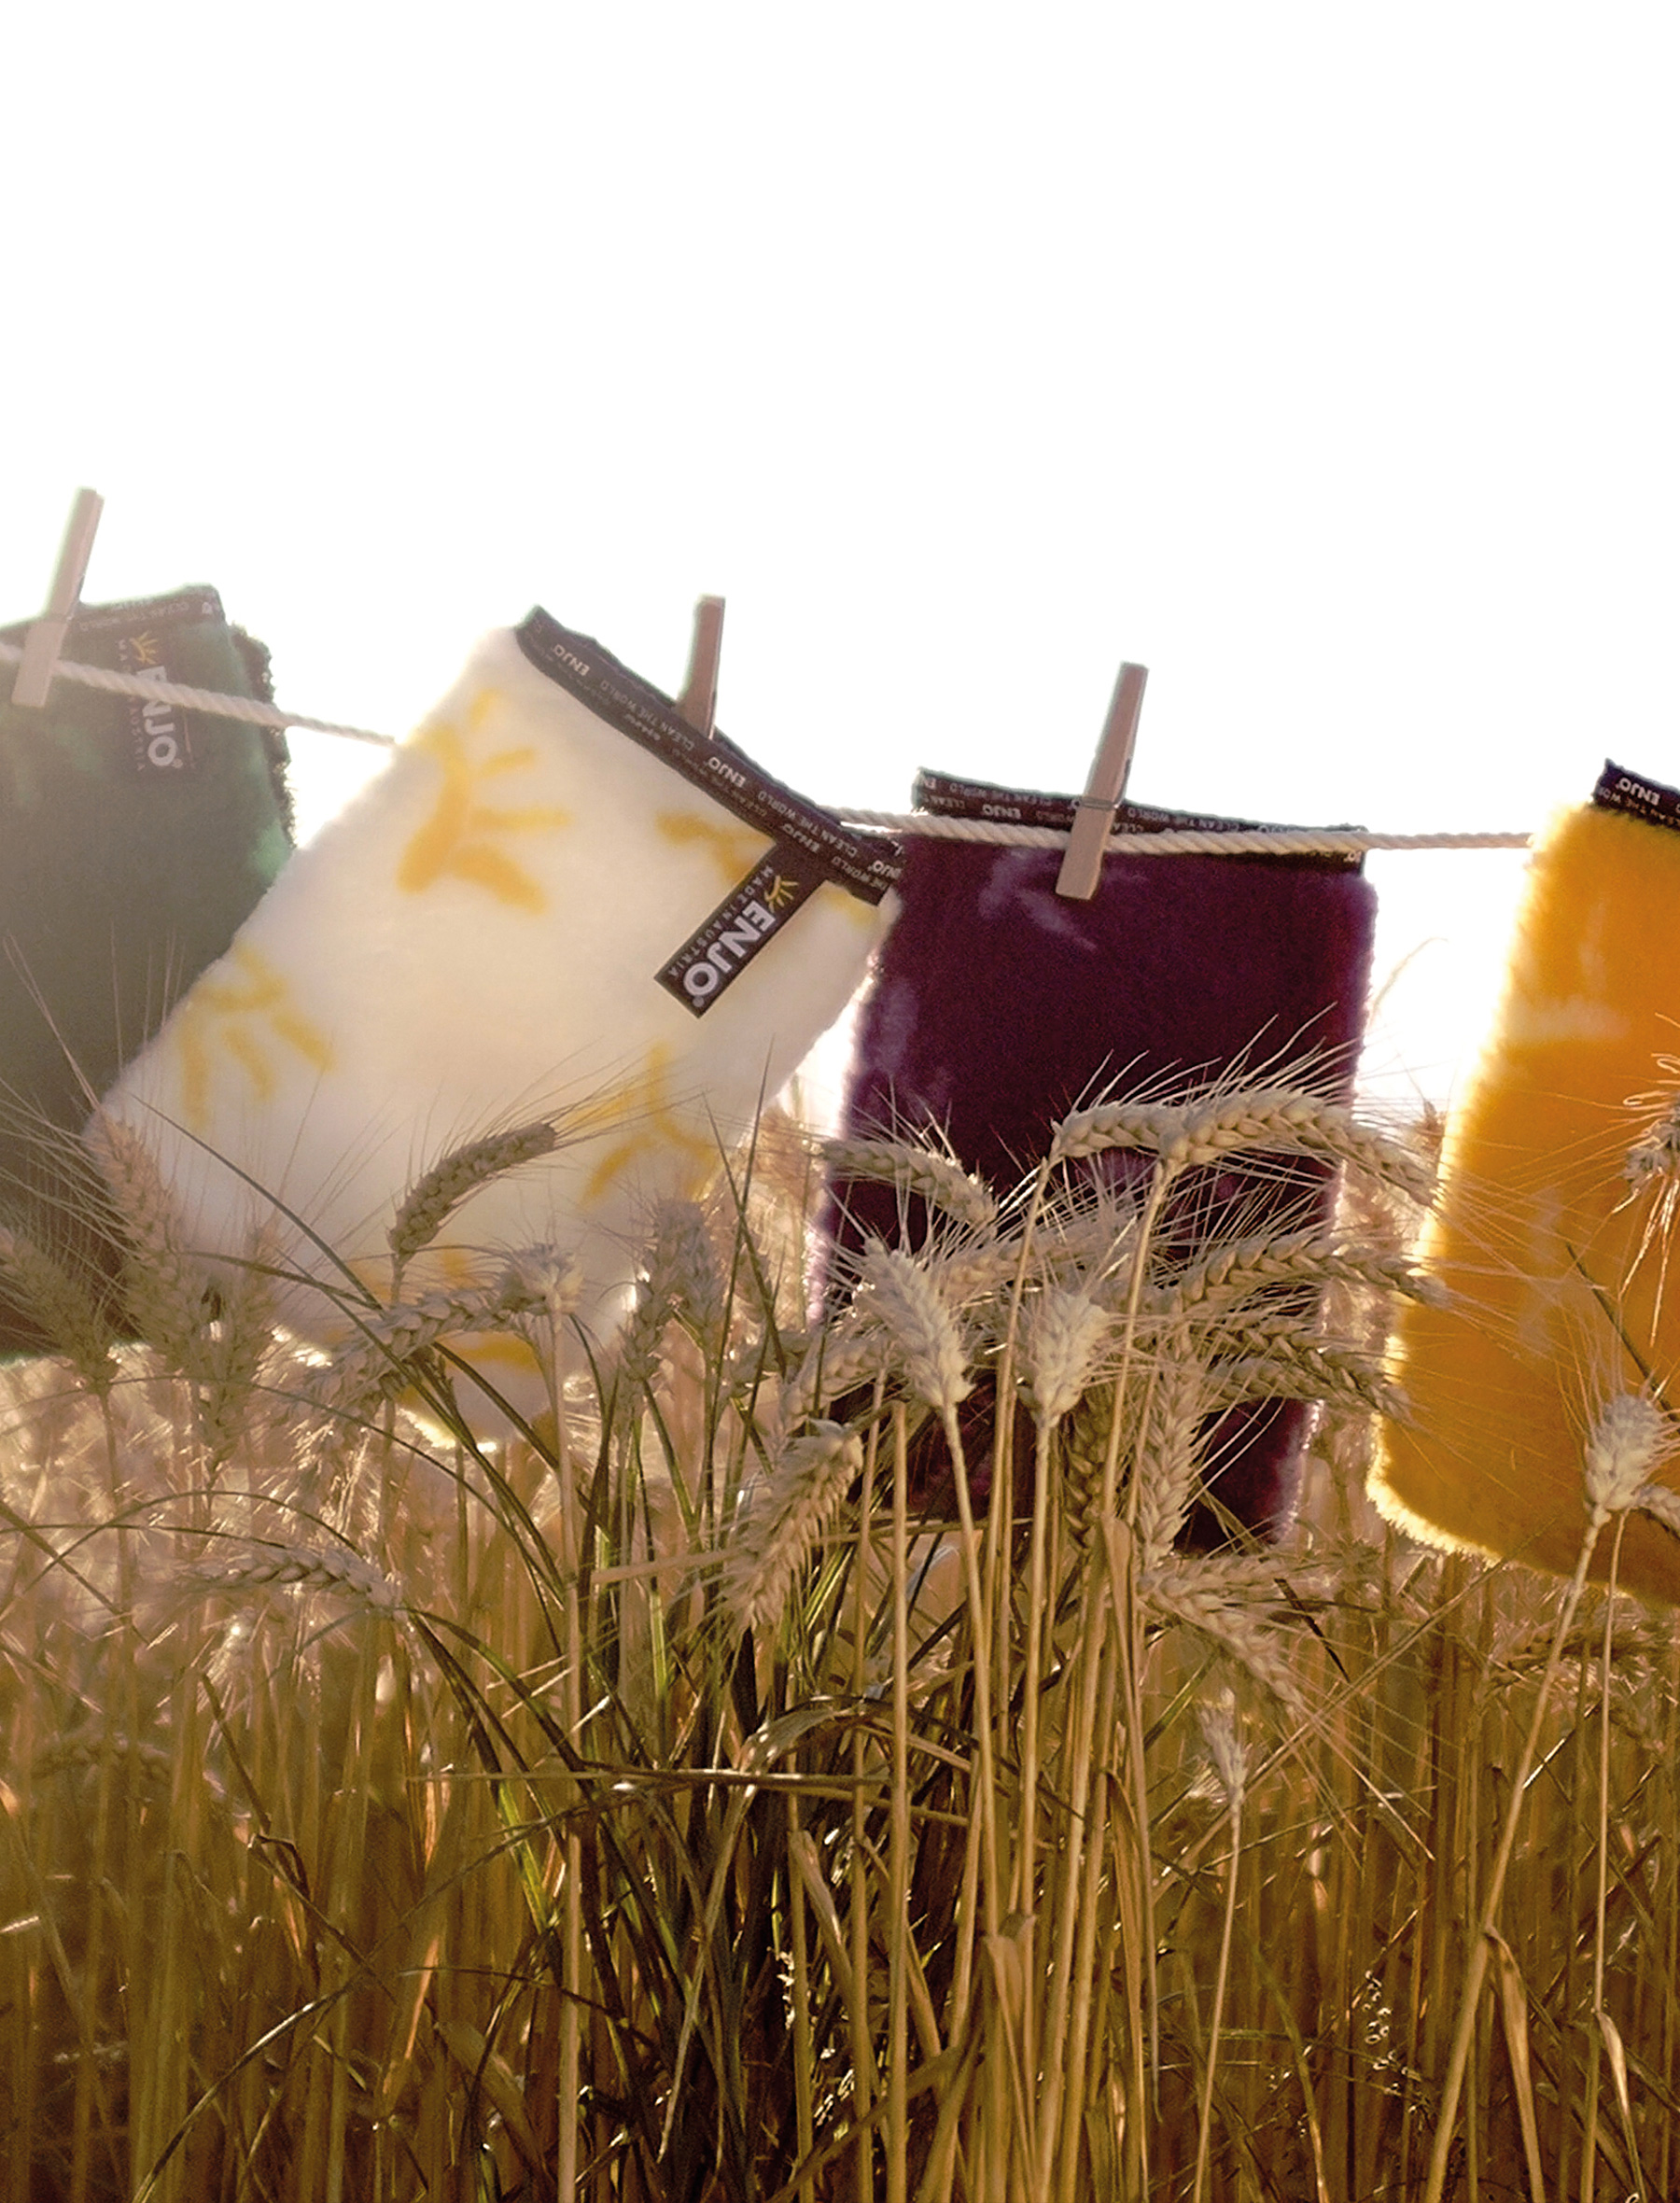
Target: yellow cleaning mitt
<point x="1552" y="1228"/>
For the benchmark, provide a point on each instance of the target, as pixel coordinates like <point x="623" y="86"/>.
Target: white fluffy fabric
<point x="470" y="945"/>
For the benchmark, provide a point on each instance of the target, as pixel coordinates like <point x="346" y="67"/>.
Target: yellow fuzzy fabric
<point x="1557" y="1253"/>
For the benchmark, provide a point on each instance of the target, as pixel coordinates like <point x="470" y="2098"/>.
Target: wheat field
<point x="841" y="1756"/>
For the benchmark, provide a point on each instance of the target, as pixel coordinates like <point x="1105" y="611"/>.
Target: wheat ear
<point x="926" y="1342"/>
<point x="389" y="1339"/>
<point x="847" y="1354"/>
<point x="61" y="1304"/>
<point x="1062" y="1336"/>
<point x="163" y="1291"/>
<point x="940" y="1181"/>
<point x="784" y="1519"/>
<point x="1265" y="1119"/>
<point x="426" y="1208"/>
<point x="1221" y="1607"/>
<point x="257" y="1564"/>
<point x="1170" y="1462"/>
<point x="1240" y="1267"/>
<point x="688" y="1261"/>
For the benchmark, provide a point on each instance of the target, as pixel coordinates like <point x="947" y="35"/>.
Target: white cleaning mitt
<point x="558" y="901"/>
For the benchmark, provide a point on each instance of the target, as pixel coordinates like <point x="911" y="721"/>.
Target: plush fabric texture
<point x="1557" y="1250"/>
<point x="998" y="1006"/>
<point x="472" y="945"/>
<point x="134" y="840"/>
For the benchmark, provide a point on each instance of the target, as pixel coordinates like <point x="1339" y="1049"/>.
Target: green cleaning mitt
<point x="134" y="838"/>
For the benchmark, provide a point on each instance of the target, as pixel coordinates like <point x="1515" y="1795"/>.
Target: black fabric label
<point x="185" y="608"/>
<point x="865" y="867"/>
<point x="1619" y="790"/>
<point x="947" y="797"/>
<point x="719" y="951"/>
<point x="157" y="731"/>
<point x="950" y="798"/>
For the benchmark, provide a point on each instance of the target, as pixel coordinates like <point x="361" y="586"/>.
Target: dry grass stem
<point x="811" y="1764"/>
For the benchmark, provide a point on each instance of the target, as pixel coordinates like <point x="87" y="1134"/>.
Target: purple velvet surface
<point x="998" y="1006"/>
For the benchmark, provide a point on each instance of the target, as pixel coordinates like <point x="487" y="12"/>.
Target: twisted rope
<point x="194" y="699"/>
<point x="1341" y="841"/>
<point x="1281" y="841"/>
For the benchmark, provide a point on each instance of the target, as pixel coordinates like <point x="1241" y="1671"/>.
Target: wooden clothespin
<point x="46" y="638"/>
<point x="1082" y="867"/>
<point x="698" y="701"/>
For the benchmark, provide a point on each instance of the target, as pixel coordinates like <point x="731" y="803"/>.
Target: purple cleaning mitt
<point x="998" y="1006"/>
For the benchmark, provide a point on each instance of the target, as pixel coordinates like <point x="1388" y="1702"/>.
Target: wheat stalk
<point x="1618" y="1439"/>
<point x="1230" y="1759"/>
<point x="428" y="1764"/>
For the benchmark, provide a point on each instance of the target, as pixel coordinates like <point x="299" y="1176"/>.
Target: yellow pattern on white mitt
<point x="477" y="942"/>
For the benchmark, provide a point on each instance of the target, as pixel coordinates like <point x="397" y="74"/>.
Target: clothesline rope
<point x="1259" y="841"/>
<point x="195" y="699"/>
<point x="1265" y="841"/>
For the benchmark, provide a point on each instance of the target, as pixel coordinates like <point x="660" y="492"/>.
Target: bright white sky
<point x="1323" y="357"/>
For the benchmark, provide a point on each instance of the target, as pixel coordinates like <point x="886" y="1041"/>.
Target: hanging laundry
<point x="134" y="837"/>
<point x="1553" y="1228"/>
<point x="559" y="900"/>
<point x="999" y="1005"/>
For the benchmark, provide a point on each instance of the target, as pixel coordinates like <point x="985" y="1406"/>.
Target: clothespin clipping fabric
<point x="1082" y="867"/>
<point x="44" y="644"/>
<point x="698" y="701"/>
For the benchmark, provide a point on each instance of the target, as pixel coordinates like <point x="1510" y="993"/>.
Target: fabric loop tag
<point x="1619" y="789"/>
<point x="947" y="797"/>
<point x="866" y="866"/>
